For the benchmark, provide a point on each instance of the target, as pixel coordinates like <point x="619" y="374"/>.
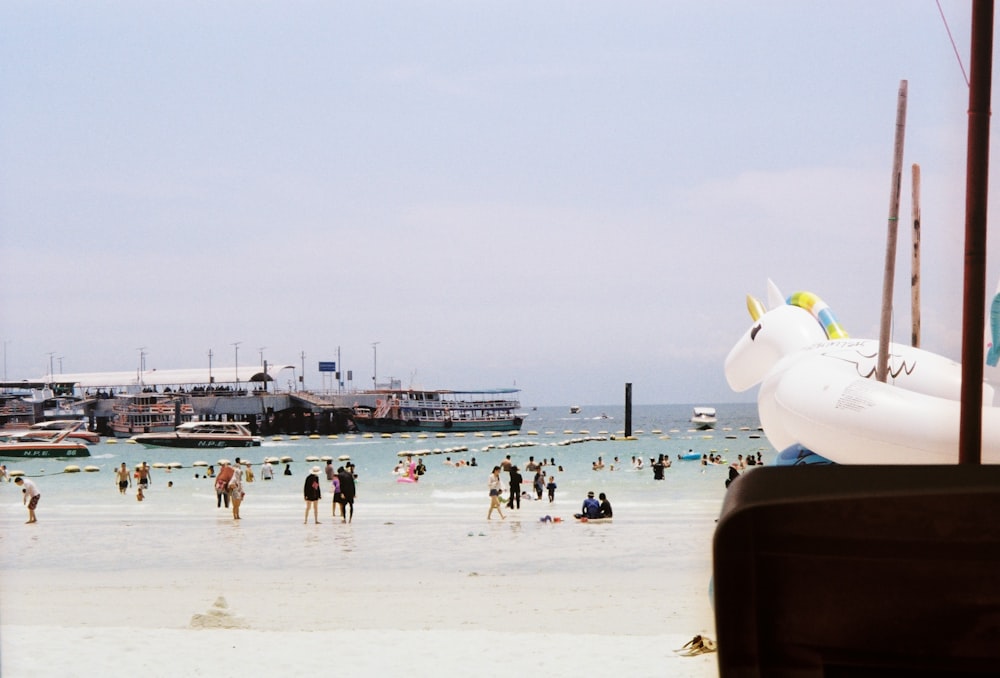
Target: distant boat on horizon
<point x="704" y="418"/>
<point x="439" y="411"/>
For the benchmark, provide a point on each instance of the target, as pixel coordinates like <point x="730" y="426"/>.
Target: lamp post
<point x="236" y="368"/>
<point x="210" y="379"/>
<point x="142" y="364"/>
<point x="375" y="364"/>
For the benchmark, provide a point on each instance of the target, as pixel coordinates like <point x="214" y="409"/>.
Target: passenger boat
<point x="55" y="448"/>
<point x="148" y="413"/>
<point x="202" y="434"/>
<point x="439" y="411"/>
<point x="574" y="409"/>
<point x="703" y="417"/>
<point x="47" y="430"/>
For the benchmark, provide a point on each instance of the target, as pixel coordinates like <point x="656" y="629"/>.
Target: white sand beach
<point x="165" y="623"/>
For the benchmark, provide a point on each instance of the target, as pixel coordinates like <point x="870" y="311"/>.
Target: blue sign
<point x="327" y="366"/>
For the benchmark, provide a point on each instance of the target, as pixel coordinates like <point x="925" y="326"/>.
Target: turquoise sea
<point x="439" y="522"/>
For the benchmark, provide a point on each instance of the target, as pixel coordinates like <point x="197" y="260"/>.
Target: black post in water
<point x="628" y="410"/>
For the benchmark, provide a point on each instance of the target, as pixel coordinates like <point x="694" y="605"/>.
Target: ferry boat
<point x="703" y="418"/>
<point x="202" y="434"/>
<point x="439" y="411"/>
<point x="148" y="413"/>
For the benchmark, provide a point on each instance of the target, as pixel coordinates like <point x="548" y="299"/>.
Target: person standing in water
<point x="312" y="494"/>
<point x="124" y="478"/>
<point x="348" y="490"/>
<point x="236" y="489"/>
<point x="515" y="489"/>
<point x="496" y="486"/>
<point x="31" y="495"/>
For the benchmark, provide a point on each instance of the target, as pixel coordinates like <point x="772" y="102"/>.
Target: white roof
<point x="183" y="377"/>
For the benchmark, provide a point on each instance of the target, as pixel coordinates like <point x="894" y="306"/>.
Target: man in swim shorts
<point x="124" y="478"/>
<point x="31" y="496"/>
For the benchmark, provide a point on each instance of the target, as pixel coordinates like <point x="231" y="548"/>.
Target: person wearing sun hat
<point x="312" y="494"/>
<point x="591" y="507"/>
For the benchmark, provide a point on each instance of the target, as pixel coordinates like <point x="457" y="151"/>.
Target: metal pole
<point x="976" y="198"/>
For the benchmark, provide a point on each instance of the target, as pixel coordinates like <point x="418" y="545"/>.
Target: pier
<point x="265" y="412"/>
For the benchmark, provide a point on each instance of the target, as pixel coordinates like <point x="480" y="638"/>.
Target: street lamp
<point x="236" y="345"/>
<point x="375" y="364"/>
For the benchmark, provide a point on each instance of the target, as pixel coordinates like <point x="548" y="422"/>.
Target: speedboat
<point x="55" y="447"/>
<point x="47" y="430"/>
<point x="202" y="434"/>
<point x="703" y="417"/>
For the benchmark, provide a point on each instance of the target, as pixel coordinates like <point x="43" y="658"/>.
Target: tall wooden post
<point x="881" y="366"/>
<point x="976" y="198"/>
<point x="915" y="263"/>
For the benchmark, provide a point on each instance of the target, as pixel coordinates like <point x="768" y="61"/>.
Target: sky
<point x="562" y="197"/>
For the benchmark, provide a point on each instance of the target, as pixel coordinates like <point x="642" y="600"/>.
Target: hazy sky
<point x="561" y="196"/>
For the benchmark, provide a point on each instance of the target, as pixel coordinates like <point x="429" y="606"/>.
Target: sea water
<point x="438" y="523"/>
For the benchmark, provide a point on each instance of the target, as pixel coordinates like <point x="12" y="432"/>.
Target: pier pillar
<point x="628" y="409"/>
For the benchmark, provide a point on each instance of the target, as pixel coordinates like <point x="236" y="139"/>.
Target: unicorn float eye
<point x="754" y="331"/>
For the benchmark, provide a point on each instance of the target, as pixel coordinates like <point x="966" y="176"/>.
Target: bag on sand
<point x="697" y="645"/>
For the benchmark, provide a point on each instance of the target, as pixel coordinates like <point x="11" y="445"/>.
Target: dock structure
<point x="218" y="394"/>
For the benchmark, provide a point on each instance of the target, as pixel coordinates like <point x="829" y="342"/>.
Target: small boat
<point x="202" y="434"/>
<point x="703" y="417"/>
<point x="54" y="448"/>
<point x="439" y="411"/>
<point x="574" y="409"/>
<point x="47" y="430"/>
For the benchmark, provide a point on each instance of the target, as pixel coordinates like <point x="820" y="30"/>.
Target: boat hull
<point x="42" y="451"/>
<point x="173" y="440"/>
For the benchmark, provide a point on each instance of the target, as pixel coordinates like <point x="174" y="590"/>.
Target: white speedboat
<point x="47" y="430"/>
<point x="202" y="434"/>
<point x="703" y="417"/>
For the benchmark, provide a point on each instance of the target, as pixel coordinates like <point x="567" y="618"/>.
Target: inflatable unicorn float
<point x="818" y="389"/>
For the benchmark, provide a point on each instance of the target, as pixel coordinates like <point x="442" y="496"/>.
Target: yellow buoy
<point x="91" y="469"/>
<point x="71" y="469"/>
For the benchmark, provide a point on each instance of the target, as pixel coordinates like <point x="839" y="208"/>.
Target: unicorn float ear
<point x="774" y="296"/>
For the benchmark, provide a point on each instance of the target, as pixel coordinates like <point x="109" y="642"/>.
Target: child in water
<point x="551" y="488"/>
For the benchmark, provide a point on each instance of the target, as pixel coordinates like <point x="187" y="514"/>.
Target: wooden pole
<point x="915" y="263"/>
<point x="976" y="198"/>
<point x="881" y="367"/>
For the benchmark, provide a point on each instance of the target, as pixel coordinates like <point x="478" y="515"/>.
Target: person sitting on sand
<point x="590" y="509"/>
<point x="606" y="511"/>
